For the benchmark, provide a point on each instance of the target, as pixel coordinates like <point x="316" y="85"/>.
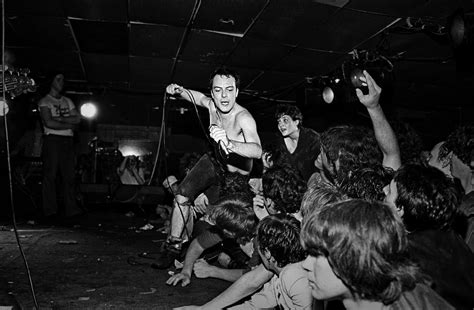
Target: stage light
<point x="461" y="28"/>
<point x="88" y="110"/>
<point x="328" y="94"/>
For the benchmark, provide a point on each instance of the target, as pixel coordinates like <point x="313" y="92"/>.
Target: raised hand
<point x="371" y="100"/>
<point x="174" y="89"/>
<point x="218" y="134"/>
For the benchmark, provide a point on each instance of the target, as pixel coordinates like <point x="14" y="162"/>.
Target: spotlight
<point x="328" y="94"/>
<point x="88" y="110"/>
<point x="461" y="28"/>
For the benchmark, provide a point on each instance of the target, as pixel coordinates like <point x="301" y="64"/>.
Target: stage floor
<point x="94" y="265"/>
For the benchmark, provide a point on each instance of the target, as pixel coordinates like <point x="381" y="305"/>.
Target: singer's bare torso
<point x="233" y="123"/>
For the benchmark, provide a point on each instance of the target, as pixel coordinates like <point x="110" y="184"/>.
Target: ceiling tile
<point x="252" y="53"/>
<point x="100" y="10"/>
<point x="168" y="12"/>
<point x="298" y="22"/>
<point x="309" y="62"/>
<point x="106" y="68"/>
<point x="271" y="80"/>
<point x="228" y="16"/>
<point x="193" y="75"/>
<point x="42" y="61"/>
<point x="154" y="40"/>
<point x="101" y="37"/>
<point x="205" y="46"/>
<point x="40" y="31"/>
<point x="54" y="8"/>
<point x="150" y="70"/>
<point x="345" y="30"/>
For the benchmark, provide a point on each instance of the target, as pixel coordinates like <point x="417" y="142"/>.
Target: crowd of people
<point x="348" y="217"/>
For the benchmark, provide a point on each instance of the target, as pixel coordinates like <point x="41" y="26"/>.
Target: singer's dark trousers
<point x="212" y="178"/>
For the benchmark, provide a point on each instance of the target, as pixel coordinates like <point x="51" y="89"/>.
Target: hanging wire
<point x="7" y="143"/>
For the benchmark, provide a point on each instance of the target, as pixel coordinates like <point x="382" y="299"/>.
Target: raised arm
<point x="189" y="95"/>
<point x="384" y="133"/>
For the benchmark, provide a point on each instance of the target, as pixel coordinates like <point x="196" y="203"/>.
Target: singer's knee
<point x="182" y="201"/>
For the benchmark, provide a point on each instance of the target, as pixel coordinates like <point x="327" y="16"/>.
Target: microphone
<point x="221" y="143"/>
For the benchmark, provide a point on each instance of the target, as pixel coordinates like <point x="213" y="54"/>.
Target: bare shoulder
<point x="244" y="116"/>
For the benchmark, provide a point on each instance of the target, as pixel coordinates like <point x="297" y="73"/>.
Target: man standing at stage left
<point x="59" y="117"/>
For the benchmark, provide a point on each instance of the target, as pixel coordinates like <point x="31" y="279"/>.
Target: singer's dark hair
<point x="224" y="71"/>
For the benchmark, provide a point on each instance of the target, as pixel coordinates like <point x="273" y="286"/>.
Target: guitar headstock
<point x="17" y="82"/>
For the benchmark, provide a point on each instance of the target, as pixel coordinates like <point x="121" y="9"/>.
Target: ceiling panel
<point x="271" y="80"/>
<point x="193" y="75"/>
<point x="101" y="10"/>
<point x="345" y="30"/>
<point x="40" y="31"/>
<point x="106" y="68"/>
<point x="441" y="8"/>
<point x="154" y="40"/>
<point x="309" y="62"/>
<point x="299" y="20"/>
<point x="149" y="71"/>
<point x="205" y="46"/>
<point x="101" y="37"/>
<point x="36" y="8"/>
<point x="168" y="12"/>
<point x="41" y="61"/>
<point x="233" y="16"/>
<point x="252" y="53"/>
<point x="393" y="8"/>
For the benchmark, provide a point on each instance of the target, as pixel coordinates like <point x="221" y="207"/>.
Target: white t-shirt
<point x="59" y="107"/>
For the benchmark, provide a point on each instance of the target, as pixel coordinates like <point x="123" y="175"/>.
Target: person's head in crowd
<point x="283" y="188"/>
<point x="344" y="149"/>
<point x="367" y="182"/>
<point x="278" y="239"/>
<point x="224" y="85"/>
<point x="54" y="81"/>
<point x="357" y="252"/>
<point x="319" y="195"/>
<point x="433" y="159"/>
<point x="409" y="142"/>
<point x="424" y="196"/>
<point x="271" y="156"/>
<point x="289" y="119"/>
<point x="233" y="217"/>
<point x="458" y="148"/>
